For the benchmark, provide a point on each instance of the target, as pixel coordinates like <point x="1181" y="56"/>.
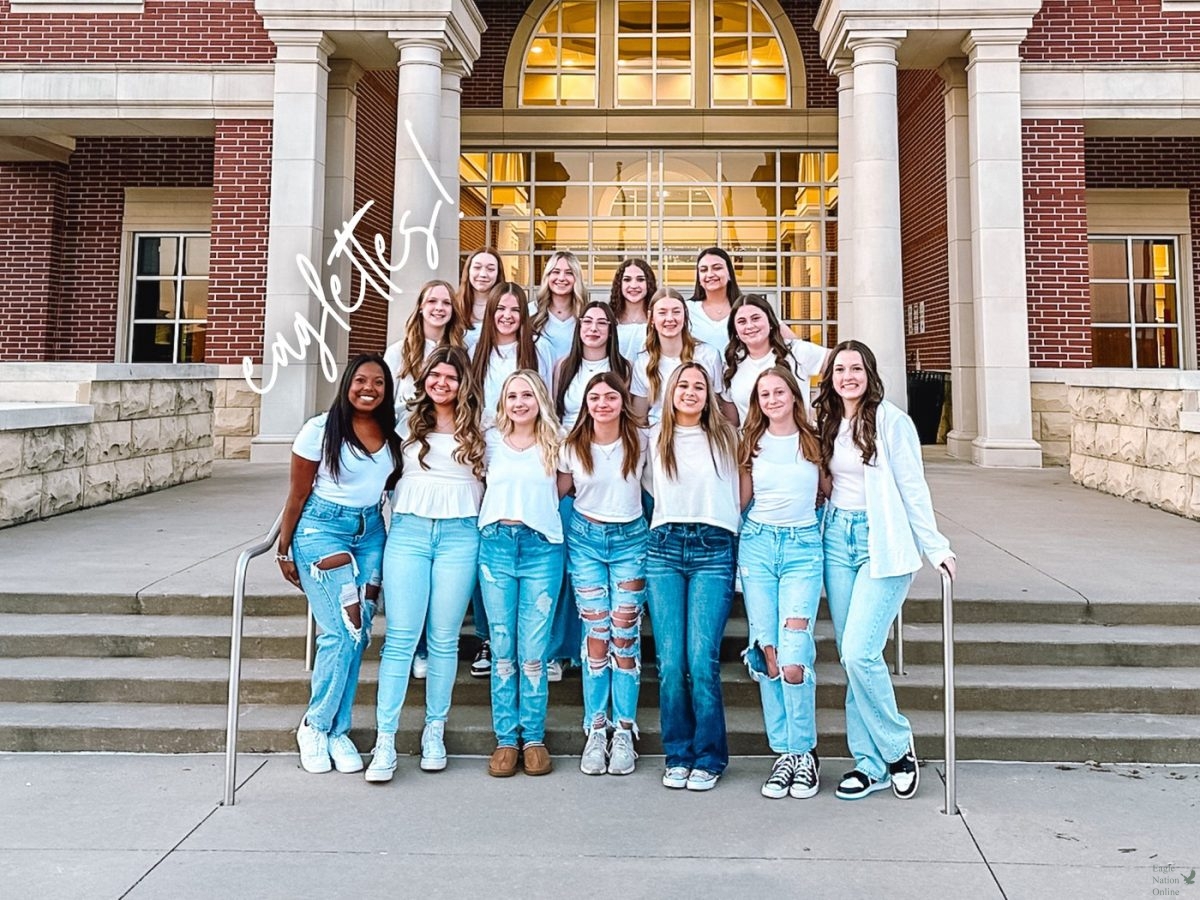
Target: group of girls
<point x="511" y="438"/>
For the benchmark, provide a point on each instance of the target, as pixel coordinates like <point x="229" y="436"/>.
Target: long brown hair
<point x="412" y="353"/>
<point x="583" y="435"/>
<point x="617" y="297"/>
<point x="422" y="418"/>
<point x="722" y="439"/>
<point x="736" y="350"/>
<point x="654" y="344"/>
<point x="757" y="423"/>
<point x="542" y="314"/>
<point x="526" y="354"/>
<point x="732" y="291"/>
<point x="570" y="365"/>
<point x="464" y="297"/>
<point x="831" y="409"/>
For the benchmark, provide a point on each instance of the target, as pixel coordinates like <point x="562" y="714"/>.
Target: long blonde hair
<point x="722" y="439"/>
<point x="756" y="422"/>
<point x="412" y="353"/>
<point x="547" y="432"/>
<point x="542" y="314"/>
<point x="422" y="418"/>
<point x="654" y="344"/>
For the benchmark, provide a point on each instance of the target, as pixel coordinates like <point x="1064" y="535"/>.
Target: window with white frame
<point x="168" y="297"/>
<point x="1135" y="301"/>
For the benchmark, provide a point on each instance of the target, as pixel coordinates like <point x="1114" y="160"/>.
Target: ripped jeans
<point x="520" y="574"/>
<point x="781" y="571"/>
<point x="607" y="562"/>
<point x="326" y="529"/>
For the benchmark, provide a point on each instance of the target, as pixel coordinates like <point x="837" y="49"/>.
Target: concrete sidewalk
<point x="150" y="827"/>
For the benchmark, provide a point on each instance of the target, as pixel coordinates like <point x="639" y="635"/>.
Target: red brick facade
<point x="33" y="204"/>
<point x="1102" y="30"/>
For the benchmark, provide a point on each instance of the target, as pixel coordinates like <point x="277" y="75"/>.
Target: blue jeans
<point x="781" y="582"/>
<point x="421" y="554"/>
<point x="606" y="559"/>
<point x="520" y="573"/>
<point x="863" y="609"/>
<point x="326" y="529"/>
<point x="689" y="586"/>
<point x="565" y="630"/>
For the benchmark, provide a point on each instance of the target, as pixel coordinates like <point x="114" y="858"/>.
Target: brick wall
<point x="1056" y="261"/>
<point x="203" y="31"/>
<point x="32" y="220"/>
<point x="1151" y="162"/>
<point x="1110" y="30"/>
<point x="923" y="216"/>
<point x="237" y="277"/>
<point x="821" y="86"/>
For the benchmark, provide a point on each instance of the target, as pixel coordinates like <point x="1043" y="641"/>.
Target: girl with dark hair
<point x="669" y="342"/>
<point x="482" y="273"/>
<point x="559" y="302"/>
<point x="435" y="321"/>
<point x="756" y="344"/>
<point x="716" y="289"/>
<point x="602" y="461"/>
<point x="879" y="522"/>
<point x="507" y="342"/>
<point x="433" y="540"/>
<point x="331" y="541"/>
<point x="632" y="287"/>
<point x="689" y="573"/>
<point x="779" y="559"/>
<point x="593" y="350"/>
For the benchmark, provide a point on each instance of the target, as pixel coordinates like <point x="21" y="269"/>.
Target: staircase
<point x="1116" y="682"/>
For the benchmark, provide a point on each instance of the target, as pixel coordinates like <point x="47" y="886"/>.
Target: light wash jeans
<point x="689" y="588"/>
<point x="603" y="556"/>
<point x="781" y="581"/>
<point x="326" y="529"/>
<point x="863" y="609"/>
<point x="429" y="574"/>
<point x="565" y="630"/>
<point x="520" y="573"/>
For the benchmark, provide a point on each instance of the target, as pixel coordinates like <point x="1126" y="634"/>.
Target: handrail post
<point x="948" y="690"/>
<point x="310" y="641"/>
<point x="898" y="636"/>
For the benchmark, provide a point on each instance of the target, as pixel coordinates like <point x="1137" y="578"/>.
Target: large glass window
<point x="170" y="298"/>
<point x="774" y="211"/>
<point x="560" y="63"/>
<point x="1134" y="284"/>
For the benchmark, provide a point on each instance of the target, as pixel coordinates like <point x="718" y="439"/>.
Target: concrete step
<point x="980" y="735"/>
<point x="1162" y="691"/>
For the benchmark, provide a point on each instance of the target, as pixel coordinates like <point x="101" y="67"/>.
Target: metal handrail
<point x="898" y="638"/>
<point x="235" y="653"/>
<point x="948" y="689"/>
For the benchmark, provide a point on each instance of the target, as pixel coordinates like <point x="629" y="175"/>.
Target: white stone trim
<point x="1110" y="90"/>
<point x="1149" y="379"/>
<point x="38" y="7"/>
<point x="1181" y="5"/>
<point x="75" y="371"/>
<point x="17" y="414"/>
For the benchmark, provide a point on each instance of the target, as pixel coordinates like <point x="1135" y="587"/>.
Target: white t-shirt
<point x="785" y="483"/>
<point x="631" y="339"/>
<point x="606" y="495"/>
<point x="362" y="477"/>
<point x="705" y="356"/>
<point x="446" y="490"/>
<point x="503" y="363"/>
<point x="406" y="385"/>
<point x="804" y="359"/>
<point x="518" y="488"/>
<point x="711" y="331"/>
<point x="699" y="492"/>
<point x="559" y="333"/>
<point x="573" y="398"/>
<point x="471" y="337"/>
<point x="848" y="472"/>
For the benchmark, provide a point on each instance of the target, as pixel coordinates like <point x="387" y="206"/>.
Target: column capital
<point x="953" y="73"/>
<point x="425" y="48"/>
<point x="345" y="73"/>
<point x="841" y="66"/>
<point x="994" y="44"/>
<point x="456" y="68"/>
<point x="883" y="43"/>
<point x="301" y="46"/>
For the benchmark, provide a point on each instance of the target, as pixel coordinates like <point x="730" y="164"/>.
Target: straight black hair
<point x="339" y="424"/>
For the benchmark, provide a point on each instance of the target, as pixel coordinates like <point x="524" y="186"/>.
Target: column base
<point x="993" y="453"/>
<point x="958" y="444"/>
<point x="271" y="448"/>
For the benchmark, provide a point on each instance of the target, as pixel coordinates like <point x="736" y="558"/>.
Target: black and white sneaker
<point x="856" y="785"/>
<point x="481" y="666"/>
<point x="906" y="774"/>
<point x="780" y="780"/>
<point x="807" y="778"/>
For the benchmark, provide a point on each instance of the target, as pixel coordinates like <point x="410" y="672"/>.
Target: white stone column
<point x="1005" y="419"/>
<point x="958" y="231"/>
<point x="877" y="284"/>
<point x="843" y="70"/>
<point x="417" y="194"/>
<point x="453" y="71"/>
<point x="295" y="229"/>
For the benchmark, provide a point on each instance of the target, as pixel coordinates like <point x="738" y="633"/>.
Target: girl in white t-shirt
<point x="507" y="342"/>
<point x="482" y="273"/>
<point x="435" y="321"/>
<point x="602" y="461"/>
<point x="521" y="567"/>
<point x="433" y="541"/>
<point x="669" y="342"/>
<point x="779" y="559"/>
<point x="331" y="540"/>
<point x="632" y="287"/>
<point x="715" y="291"/>
<point x="689" y="573"/>
<point x="559" y="301"/>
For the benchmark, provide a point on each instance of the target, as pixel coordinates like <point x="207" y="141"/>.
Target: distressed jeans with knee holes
<point x="604" y="556"/>
<point x="326" y="529"/>
<point x="863" y="609"/>
<point x="520" y="574"/>
<point x="781" y="571"/>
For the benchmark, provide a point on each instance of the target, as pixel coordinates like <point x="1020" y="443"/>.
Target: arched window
<point x="655" y="53"/>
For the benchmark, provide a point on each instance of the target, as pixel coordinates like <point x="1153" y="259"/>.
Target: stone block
<point x="99" y="483"/>
<point x="43" y="450"/>
<point x="199" y="430"/>
<point x="20" y="499"/>
<point x="1076" y="465"/>
<point x="233" y="421"/>
<point x="1075" y="399"/>
<point x="1144" y="485"/>
<point x="1093" y="405"/>
<point x="164" y="398"/>
<point x="144" y="437"/>
<point x="195" y="397"/>
<point x="130" y="478"/>
<point x="1174" y="492"/>
<point x="135" y="399"/>
<point x="1107" y="442"/>
<point x="1055" y="453"/>
<point x="1166" y="450"/>
<point x="234" y="448"/>
<point x="1083" y="437"/>
<point x="1131" y="444"/>
<point x="1056" y="426"/>
<point x="1194" y="502"/>
<point x="62" y="491"/>
<point x="12" y="452"/>
<point x="1164" y="412"/>
<point x="105" y="397"/>
<point x="160" y="471"/>
<point x="187" y="465"/>
<point x="1115" y="477"/>
<point x="1050" y="398"/>
<point x="108" y="441"/>
<point x="172" y="433"/>
<point x="1192" y="454"/>
<point x="239" y="395"/>
<point x="74" y="445"/>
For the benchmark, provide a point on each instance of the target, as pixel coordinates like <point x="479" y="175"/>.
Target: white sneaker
<point x="622" y="757"/>
<point x="314" y="748"/>
<point x="383" y="759"/>
<point x="594" y="761"/>
<point x="346" y="757"/>
<point x="676" y="777"/>
<point x="420" y="667"/>
<point x="554" y="670"/>
<point x="433" y="747"/>
<point x="702" y="780"/>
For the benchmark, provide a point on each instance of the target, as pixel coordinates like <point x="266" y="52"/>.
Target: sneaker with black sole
<point x="779" y="782"/>
<point x="906" y="774"/>
<point x="481" y="666"/>
<point x="807" y="778"/>
<point x="855" y="785"/>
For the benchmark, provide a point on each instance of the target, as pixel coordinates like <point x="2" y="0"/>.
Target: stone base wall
<point x="235" y="418"/>
<point x="1052" y="422"/>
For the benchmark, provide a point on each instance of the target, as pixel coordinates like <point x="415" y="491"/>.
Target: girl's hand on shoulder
<point x="950" y="567"/>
